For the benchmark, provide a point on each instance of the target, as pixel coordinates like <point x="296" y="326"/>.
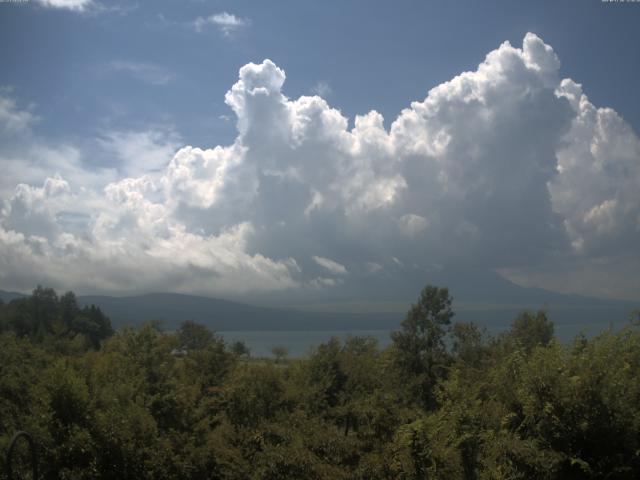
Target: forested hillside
<point x="444" y="401"/>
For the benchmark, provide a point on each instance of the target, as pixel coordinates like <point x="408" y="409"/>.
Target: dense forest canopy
<point x="445" y="400"/>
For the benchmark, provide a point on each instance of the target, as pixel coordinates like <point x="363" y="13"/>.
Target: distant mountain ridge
<point x="8" y="296"/>
<point x="224" y="315"/>
<point x="221" y="315"/>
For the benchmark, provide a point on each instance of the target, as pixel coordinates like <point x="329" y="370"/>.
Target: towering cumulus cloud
<point x="508" y="167"/>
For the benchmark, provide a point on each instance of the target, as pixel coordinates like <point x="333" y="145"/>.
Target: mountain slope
<point x="8" y="296"/>
<point x="222" y="315"/>
<point x="172" y="309"/>
<point x="488" y="300"/>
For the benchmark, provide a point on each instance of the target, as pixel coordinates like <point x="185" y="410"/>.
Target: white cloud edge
<point x="74" y="5"/>
<point x="369" y="126"/>
<point x="330" y="265"/>
<point x="227" y="23"/>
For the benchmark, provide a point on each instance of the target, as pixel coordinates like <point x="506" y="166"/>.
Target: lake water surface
<point x="300" y="343"/>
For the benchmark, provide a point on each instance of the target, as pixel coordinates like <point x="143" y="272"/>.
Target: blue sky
<point x="99" y="98"/>
<point x="372" y="55"/>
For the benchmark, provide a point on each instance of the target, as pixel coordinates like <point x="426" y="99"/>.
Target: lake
<point x="300" y="343"/>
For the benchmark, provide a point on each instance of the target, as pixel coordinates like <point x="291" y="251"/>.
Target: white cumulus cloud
<point x="596" y="189"/>
<point x="508" y="167"/>
<point x="78" y="5"/>
<point x="138" y="152"/>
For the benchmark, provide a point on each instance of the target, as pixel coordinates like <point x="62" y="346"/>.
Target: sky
<point x="304" y="148"/>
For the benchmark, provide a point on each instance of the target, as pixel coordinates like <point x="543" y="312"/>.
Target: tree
<point x="69" y="309"/>
<point x="34" y="316"/>
<point x="44" y="306"/>
<point x="194" y="336"/>
<point x="253" y="394"/>
<point x="57" y="321"/>
<point x="280" y="352"/>
<point x="468" y="343"/>
<point x="92" y="323"/>
<point x="3" y="317"/>
<point x="529" y="330"/>
<point x="240" y="349"/>
<point x="420" y="349"/>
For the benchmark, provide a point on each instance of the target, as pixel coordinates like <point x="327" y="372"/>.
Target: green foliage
<point x="148" y="404"/>
<point x="529" y="331"/>
<point x="57" y="322"/>
<point x="419" y="345"/>
<point x="194" y="336"/>
<point x="240" y="349"/>
<point x="469" y="344"/>
<point x="254" y="394"/>
<point x="280" y="352"/>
